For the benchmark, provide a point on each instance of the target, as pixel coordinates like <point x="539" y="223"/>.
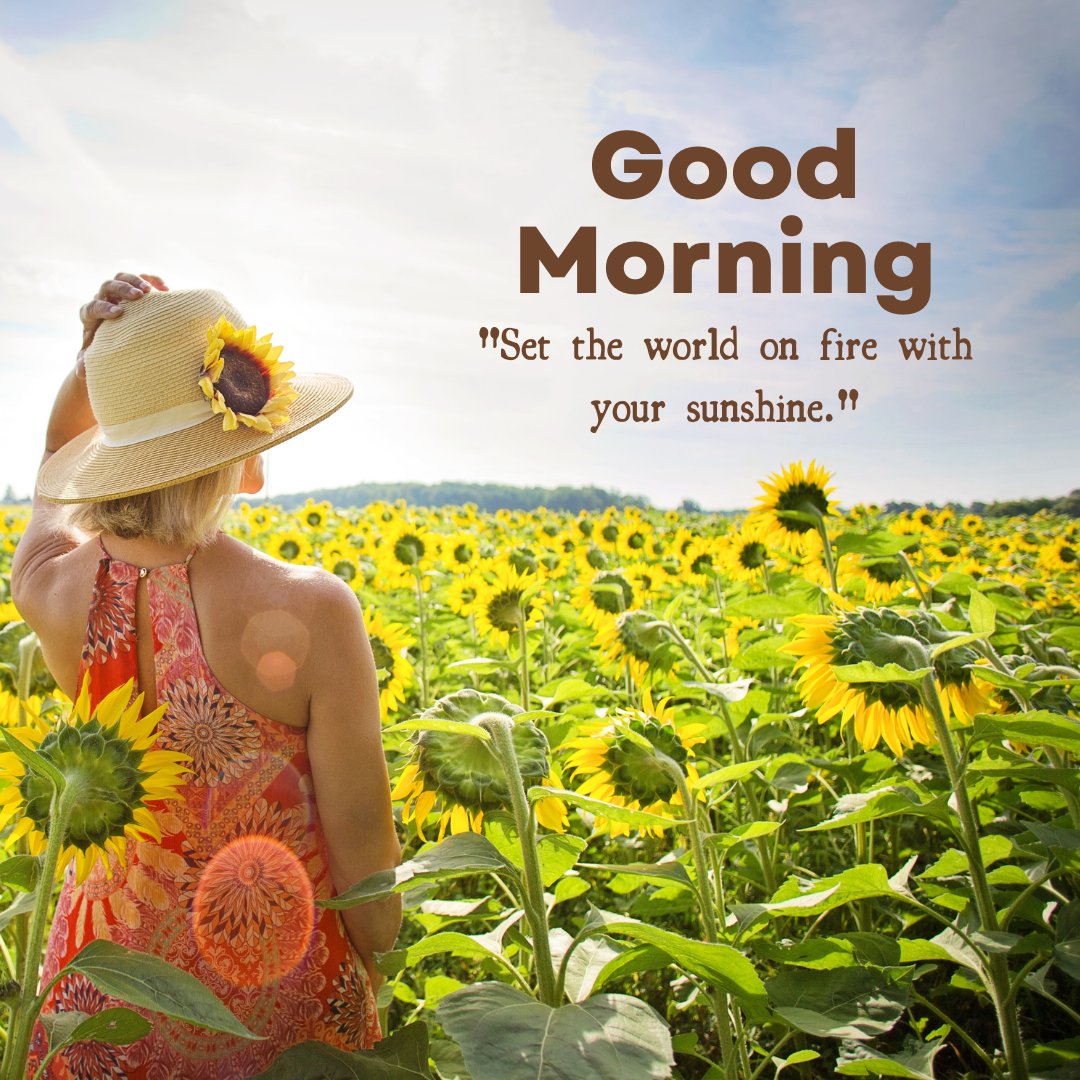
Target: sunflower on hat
<point x="244" y="380"/>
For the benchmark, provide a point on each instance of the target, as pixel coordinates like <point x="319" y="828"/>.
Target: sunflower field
<point x="682" y="795"/>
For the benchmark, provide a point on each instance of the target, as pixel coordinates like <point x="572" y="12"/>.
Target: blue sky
<point x="356" y="184"/>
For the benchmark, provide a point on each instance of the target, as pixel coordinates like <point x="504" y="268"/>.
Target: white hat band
<point x="143" y="428"/>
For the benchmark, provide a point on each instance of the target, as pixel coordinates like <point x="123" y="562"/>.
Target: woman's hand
<point x="108" y="304"/>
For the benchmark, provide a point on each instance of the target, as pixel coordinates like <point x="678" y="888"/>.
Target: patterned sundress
<point x="227" y="893"/>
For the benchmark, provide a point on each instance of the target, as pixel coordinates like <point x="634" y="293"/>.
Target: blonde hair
<point x="189" y="513"/>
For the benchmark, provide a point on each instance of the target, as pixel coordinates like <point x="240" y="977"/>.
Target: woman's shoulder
<point x="248" y="582"/>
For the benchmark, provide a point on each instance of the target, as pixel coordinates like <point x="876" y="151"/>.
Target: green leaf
<point x="586" y="963"/>
<point x="912" y="1064"/>
<point x="23" y="905"/>
<point x="21" y="872"/>
<point x="570" y="689"/>
<point x="866" y="671"/>
<point x="729" y="773"/>
<point x="152" y="983"/>
<point x="763" y="655"/>
<point x="982" y="614"/>
<point x="663" y="873"/>
<point x="765" y="606"/>
<point x="117" y="1026"/>
<point x="507" y="1035"/>
<point x="400" y="1056"/>
<point x="434" y="723"/>
<point x="34" y="761"/>
<point x="558" y="852"/>
<point x="604" y="809"/>
<point x="1067" y="939"/>
<point x="846" y="1003"/>
<point x="880" y="803"/>
<point x="723" y="966"/>
<point x="873" y="543"/>
<point x="751" y="830"/>
<point x="730" y="692"/>
<point x="801" y="898"/>
<point x="1037" y="728"/>
<point x="479" y="665"/>
<point x="993" y="847"/>
<point x="954" y="643"/>
<point x="456" y="856"/>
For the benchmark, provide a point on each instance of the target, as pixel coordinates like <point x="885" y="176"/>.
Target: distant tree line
<point x="1067" y="505"/>
<point x="485" y="496"/>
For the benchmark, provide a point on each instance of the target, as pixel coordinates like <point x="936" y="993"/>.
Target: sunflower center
<point x="345" y="569"/>
<point x="752" y="556"/>
<point x="409" y="549"/>
<point x="504" y="610"/>
<point x="462" y="553"/>
<point x="107" y="773"/>
<point x="596" y="559"/>
<point x="243" y="382"/>
<point x="610" y="533"/>
<point x="806" y="498"/>
<point x="1066" y="554"/>
<point x="635" y="541"/>
<point x="611" y="592"/>
<point x="886" y="572"/>
<point x="289" y="549"/>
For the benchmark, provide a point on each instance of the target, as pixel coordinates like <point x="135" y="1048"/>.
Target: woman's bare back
<point x="258" y="623"/>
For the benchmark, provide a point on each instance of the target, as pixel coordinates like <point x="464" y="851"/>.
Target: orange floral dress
<point x="228" y="892"/>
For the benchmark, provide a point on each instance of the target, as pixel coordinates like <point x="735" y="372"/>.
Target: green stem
<point x="912" y="573"/>
<point x="523" y="640"/>
<point x="501" y="729"/>
<point x="826" y="545"/>
<point x="983" y="1056"/>
<point x="686" y="649"/>
<point x="422" y="618"/>
<point x="26" y="1010"/>
<point x="721" y="1002"/>
<point x="997" y="964"/>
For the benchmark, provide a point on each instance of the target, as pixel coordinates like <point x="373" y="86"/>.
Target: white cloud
<point x="355" y="181"/>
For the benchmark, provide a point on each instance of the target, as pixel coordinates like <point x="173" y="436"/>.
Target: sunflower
<point x="462" y="773"/>
<point x="244" y="380"/>
<point x="341" y="559"/>
<point x="795" y="488"/>
<point x="891" y="711"/>
<point x="631" y="641"/>
<point x="883" y="578"/>
<point x="106" y="756"/>
<point x="314" y="515"/>
<point x="632" y="539"/>
<point x="461" y="552"/>
<point x="501" y="606"/>
<point x="406" y="553"/>
<point x="604" y="595"/>
<point x="1060" y="554"/>
<point x="744" y="555"/>
<point x="390" y="643"/>
<point x="612" y="759"/>
<point x="290" y="545"/>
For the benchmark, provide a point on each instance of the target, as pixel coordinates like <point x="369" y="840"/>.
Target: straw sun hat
<point x="180" y="386"/>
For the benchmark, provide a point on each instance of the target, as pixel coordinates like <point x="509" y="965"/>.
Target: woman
<point x="265" y="669"/>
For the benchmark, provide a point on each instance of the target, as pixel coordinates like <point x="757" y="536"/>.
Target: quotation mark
<point x="485" y="333"/>
<point x="845" y="395"/>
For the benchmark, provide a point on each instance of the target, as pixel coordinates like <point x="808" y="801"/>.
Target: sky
<point x="355" y="177"/>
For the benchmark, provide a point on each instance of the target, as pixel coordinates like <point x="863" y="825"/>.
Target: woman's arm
<point x="47" y="534"/>
<point x="348" y="768"/>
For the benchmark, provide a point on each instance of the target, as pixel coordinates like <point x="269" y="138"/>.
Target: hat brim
<point x="86" y="470"/>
